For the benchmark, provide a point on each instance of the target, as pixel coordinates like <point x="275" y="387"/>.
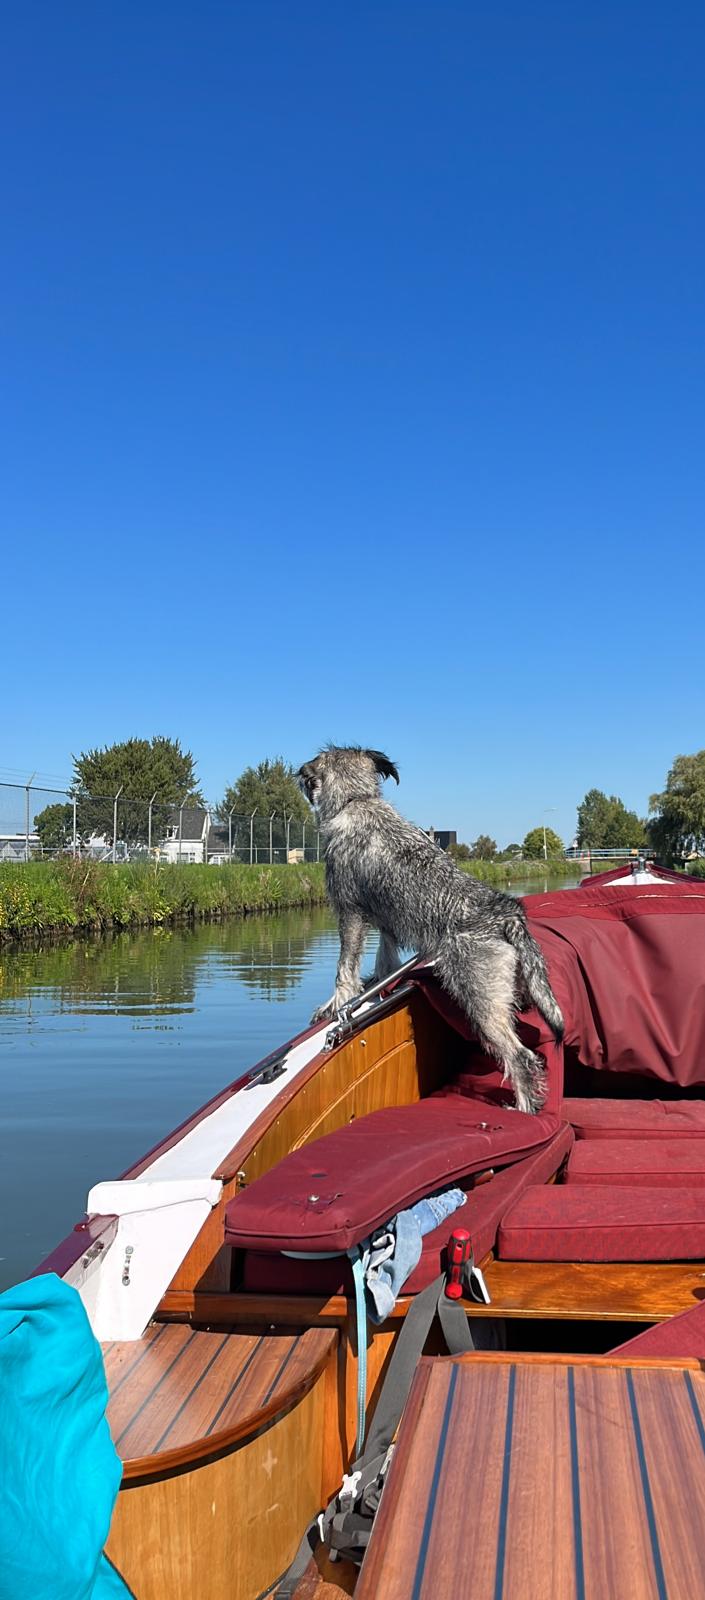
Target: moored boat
<point x="222" y="1275"/>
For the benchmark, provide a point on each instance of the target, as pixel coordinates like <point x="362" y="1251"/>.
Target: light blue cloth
<point x="391" y="1254"/>
<point x="60" y="1472"/>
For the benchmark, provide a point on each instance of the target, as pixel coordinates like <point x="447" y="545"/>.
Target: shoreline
<point x="54" y="901"/>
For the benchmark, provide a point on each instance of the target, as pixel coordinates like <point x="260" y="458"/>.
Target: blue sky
<point x="353" y="389"/>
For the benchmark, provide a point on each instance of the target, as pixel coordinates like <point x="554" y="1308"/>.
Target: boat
<point x="563" y="1454"/>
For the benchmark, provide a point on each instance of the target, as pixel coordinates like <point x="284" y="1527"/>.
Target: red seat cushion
<point x="645" y="1119"/>
<point x="678" y="1336"/>
<point x="332" y="1193"/>
<point x="648" y="1162"/>
<point x="572" y="1222"/>
<point x="265" y="1273"/>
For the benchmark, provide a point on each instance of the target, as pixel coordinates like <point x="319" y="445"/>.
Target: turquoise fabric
<point x="60" y="1472"/>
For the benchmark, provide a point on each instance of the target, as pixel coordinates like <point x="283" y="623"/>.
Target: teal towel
<point x="60" y="1471"/>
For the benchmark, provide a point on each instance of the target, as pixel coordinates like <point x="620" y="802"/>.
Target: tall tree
<point x="142" y="768"/>
<point x="55" y="826"/>
<point x="604" y="823"/>
<point x="270" y="786"/>
<point x="533" y="846"/>
<point x="677" y="824"/>
<point x="484" y="848"/>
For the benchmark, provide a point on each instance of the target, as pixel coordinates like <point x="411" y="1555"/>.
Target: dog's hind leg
<point x="481" y="976"/>
<point x="348" y="982"/>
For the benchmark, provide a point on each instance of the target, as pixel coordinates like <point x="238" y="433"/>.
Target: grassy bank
<point x="63" y="897"/>
<point x="504" y="872"/>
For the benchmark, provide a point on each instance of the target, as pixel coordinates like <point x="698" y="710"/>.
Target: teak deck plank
<point x="180" y="1394"/>
<point x="549" y="1481"/>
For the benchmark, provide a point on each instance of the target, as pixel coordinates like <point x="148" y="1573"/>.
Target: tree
<point x="677" y="826"/>
<point x="533" y="846"/>
<point x="484" y="848"/>
<point x="604" y="823"/>
<point x="142" y="768"/>
<point x="269" y="787"/>
<point x="55" y="826"/>
<point x="460" y="852"/>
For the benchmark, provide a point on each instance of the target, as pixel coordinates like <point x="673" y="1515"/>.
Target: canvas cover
<point x="627" y="964"/>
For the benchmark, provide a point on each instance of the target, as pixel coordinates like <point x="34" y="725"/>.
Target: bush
<point x="59" y="896"/>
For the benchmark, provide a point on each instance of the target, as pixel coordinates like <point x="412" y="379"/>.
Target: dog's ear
<point x="385" y="767"/>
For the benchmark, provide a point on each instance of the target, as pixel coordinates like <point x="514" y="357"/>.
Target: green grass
<point x="64" y="897"/>
<point x="499" y="872"/>
<point x="49" y="897"/>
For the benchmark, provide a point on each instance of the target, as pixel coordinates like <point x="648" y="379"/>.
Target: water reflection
<point x="106" y="1044"/>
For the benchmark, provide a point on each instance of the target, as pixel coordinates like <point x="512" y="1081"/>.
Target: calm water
<point x="107" y="1045"/>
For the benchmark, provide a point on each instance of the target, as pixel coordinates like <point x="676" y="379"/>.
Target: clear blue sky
<point x="353" y="389"/>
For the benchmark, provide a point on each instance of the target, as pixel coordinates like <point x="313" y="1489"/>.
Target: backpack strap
<point x="346" y="1524"/>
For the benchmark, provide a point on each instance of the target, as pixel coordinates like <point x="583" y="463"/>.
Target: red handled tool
<point x="459" y="1253"/>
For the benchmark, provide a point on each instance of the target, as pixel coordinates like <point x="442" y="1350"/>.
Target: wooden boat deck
<point x="549" y="1480"/>
<point x="180" y="1394"/>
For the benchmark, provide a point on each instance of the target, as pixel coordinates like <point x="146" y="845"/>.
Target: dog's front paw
<point x="325" y="1012"/>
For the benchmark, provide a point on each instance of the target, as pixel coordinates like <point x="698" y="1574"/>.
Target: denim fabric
<point x="392" y="1253"/>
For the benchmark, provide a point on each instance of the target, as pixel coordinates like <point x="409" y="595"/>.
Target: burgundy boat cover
<point x="627" y="964"/>
<point x="332" y="1193"/>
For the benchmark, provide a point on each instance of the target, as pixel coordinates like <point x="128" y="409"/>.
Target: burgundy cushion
<point x="647" y="1119"/>
<point x="265" y="1273"/>
<point x="679" y="1336"/>
<point x="332" y="1193"/>
<point x="571" y="1222"/>
<point x="638" y="1161"/>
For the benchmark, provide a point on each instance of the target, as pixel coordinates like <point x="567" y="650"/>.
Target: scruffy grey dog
<point x="384" y="873"/>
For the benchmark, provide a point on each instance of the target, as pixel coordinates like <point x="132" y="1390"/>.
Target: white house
<point x="186" y="835"/>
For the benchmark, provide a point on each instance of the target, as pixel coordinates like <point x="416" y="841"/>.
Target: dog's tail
<point x="534" y="973"/>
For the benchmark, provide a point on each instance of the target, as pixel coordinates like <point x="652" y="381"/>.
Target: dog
<point x="382" y="872"/>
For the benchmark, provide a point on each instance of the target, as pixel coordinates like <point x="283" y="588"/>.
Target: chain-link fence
<point x="39" y="823"/>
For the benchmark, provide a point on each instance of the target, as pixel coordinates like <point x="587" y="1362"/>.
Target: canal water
<point x="107" y="1044"/>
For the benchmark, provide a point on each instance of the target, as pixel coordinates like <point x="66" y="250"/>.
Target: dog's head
<point x="343" y="773"/>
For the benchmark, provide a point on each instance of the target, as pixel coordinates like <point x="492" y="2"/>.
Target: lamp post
<point x="547" y="809"/>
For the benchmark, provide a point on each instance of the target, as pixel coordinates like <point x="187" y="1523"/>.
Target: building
<point x="186" y="835"/>
<point x="443" y="837"/>
<point x="13" y="846"/>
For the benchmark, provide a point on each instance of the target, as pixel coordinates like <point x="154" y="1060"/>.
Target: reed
<point x="73" y="896"/>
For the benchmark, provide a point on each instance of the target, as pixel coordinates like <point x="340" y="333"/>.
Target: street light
<point x="547" y="809"/>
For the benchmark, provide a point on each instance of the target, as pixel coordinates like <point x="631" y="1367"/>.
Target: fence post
<point x="303" y="842"/>
<point x="230" y="833"/>
<point x="149" y="823"/>
<point x="27" y="788"/>
<point x="271" y="850"/>
<point x="318" y="844"/>
<point x="287" y="822"/>
<point x="252" y="821"/>
<point x="181" y="820"/>
<point x="74" y="827"/>
<point x="115" y="804"/>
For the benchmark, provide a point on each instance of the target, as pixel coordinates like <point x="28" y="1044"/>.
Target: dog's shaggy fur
<point x="384" y="873"/>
